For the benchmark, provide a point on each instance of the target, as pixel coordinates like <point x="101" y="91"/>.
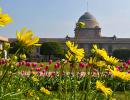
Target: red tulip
<point x="47" y="67"/>
<point x="28" y="64"/>
<point x="41" y="65"/>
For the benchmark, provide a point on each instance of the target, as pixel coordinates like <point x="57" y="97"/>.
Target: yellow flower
<point x="105" y="90"/>
<point x="91" y="60"/>
<point x="31" y="93"/>
<point x="6" y="45"/>
<point x="23" y="56"/>
<point x="122" y="75"/>
<point x="4" y="19"/>
<point x="37" y="98"/>
<point x="38" y="45"/>
<point x="35" y="79"/>
<point x="42" y="89"/>
<point x="72" y="57"/>
<point x="74" y="52"/>
<point x="80" y="25"/>
<point x="111" y="60"/>
<point x="100" y="64"/>
<point x="27" y="37"/>
<point x="103" y="53"/>
<point x="100" y="52"/>
<point x="15" y="58"/>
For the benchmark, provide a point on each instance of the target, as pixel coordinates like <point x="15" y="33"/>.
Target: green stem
<point x="89" y="83"/>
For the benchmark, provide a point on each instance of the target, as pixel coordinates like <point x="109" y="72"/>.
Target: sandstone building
<point x="89" y="35"/>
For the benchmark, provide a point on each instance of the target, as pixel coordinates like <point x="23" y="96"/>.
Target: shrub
<point x="123" y="54"/>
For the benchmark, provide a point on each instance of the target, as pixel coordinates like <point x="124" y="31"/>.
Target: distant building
<point x="2" y="40"/>
<point x="89" y="35"/>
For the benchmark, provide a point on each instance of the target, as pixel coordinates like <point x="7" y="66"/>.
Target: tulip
<point x="19" y="64"/>
<point x="47" y="67"/>
<point x="118" y="68"/>
<point x="41" y="65"/>
<point x="129" y="71"/>
<point x="125" y="64"/>
<point x="50" y="61"/>
<point x="24" y="73"/>
<point x="23" y="62"/>
<point x="57" y="65"/>
<point x="128" y="62"/>
<point x="44" y="71"/>
<point x="81" y="65"/>
<point x="53" y="74"/>
<point x="38" y="69"/>
<point x="34" y="64"/>
<point x="126" y="67"/>
<point x="28" y="64"/>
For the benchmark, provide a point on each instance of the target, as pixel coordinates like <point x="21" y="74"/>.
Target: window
<point x="81" y="45"/>
<point x="37" y="49"/>
<point x="110" y="49"/>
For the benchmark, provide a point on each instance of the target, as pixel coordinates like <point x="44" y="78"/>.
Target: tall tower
<point x="91" y="29"/>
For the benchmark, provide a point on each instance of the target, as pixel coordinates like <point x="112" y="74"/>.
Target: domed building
<point x="89" y="35"/>
<point x="91" y="29"/>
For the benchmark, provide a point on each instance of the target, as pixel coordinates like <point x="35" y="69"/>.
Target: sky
<point x="57" y="18"/>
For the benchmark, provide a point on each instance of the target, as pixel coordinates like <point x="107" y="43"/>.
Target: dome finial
<point x="87" y="6"/>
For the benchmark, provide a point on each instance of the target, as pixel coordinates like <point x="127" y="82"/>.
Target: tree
<point x="14" y="47"/>
<point x="52" y="49"/>
<point x="123" y="54"/>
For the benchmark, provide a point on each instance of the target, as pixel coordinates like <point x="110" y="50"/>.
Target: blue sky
<point x="56" y="18"/>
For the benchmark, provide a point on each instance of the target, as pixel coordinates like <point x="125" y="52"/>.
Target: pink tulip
<point x="129" y="71"/>
<point x="50" y="61"/>
<point x="23" y="63"/>
<point x="128" y="62"/>
<point x="94" y="70"/>
<point x="44" y="71"/>
<point x="57" y="65"/>
<point x="118" y="68"/>
<point x="53" y="74"/>
<point x="38" y="69"/>
<point x="125" y="64"/>
<point x="3" y="61"/>
<point x="81" y="65"/>
<point x="34" y="64"/>
<point x="24" y="73"/>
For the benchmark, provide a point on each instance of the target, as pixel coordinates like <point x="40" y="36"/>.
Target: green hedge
<point x="123" y="54"/>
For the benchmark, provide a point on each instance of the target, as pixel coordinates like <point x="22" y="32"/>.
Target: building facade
<point x="89" y="35"/>
<point x="4" y="52"/>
